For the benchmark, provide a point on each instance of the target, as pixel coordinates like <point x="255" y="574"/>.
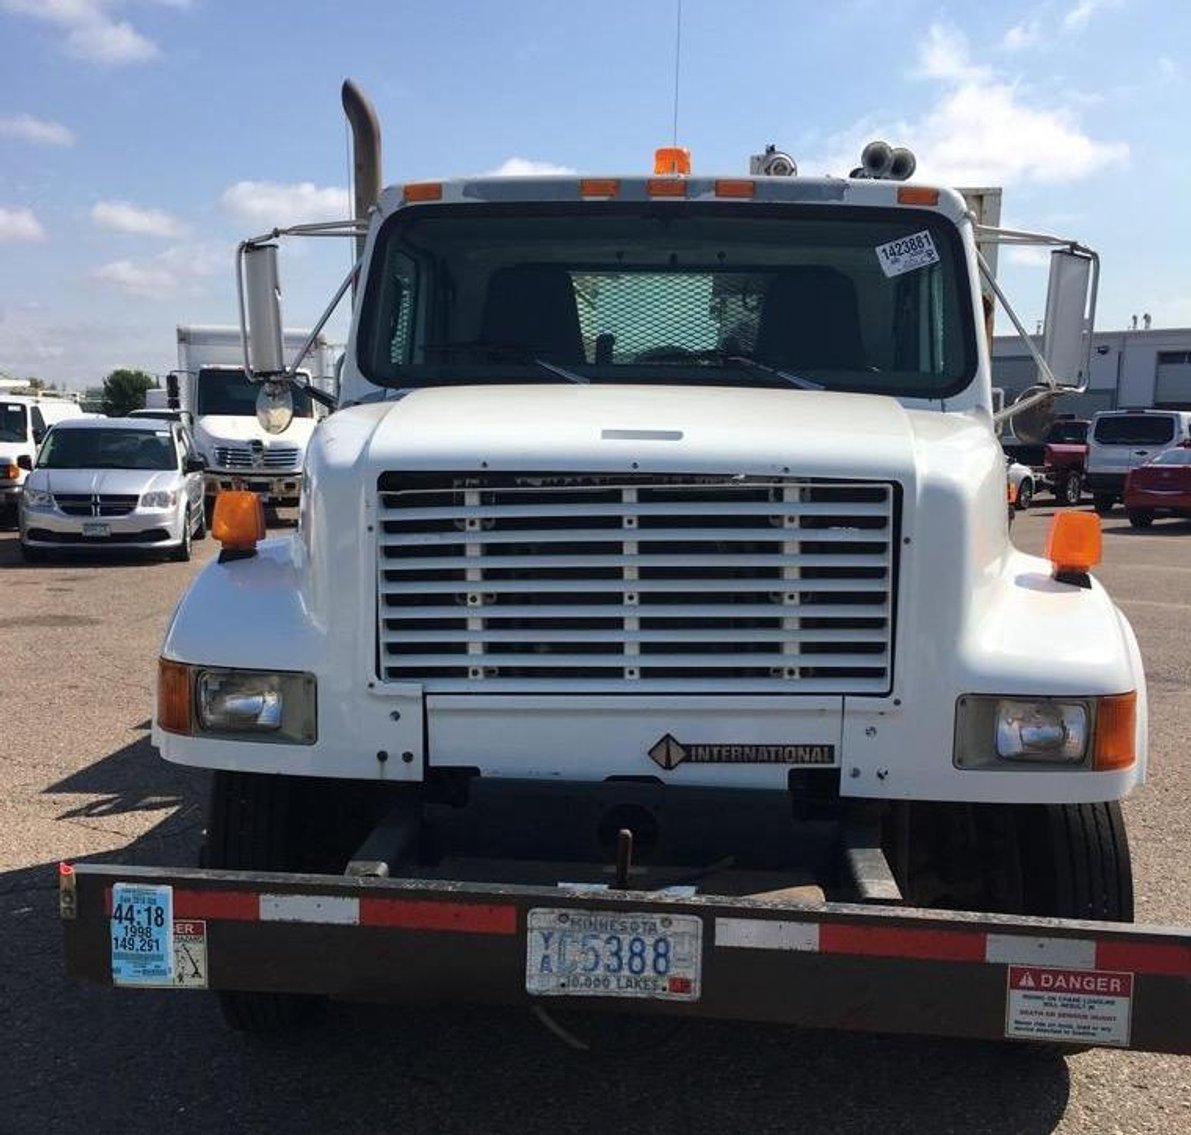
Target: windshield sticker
<point x="907" y="253"/>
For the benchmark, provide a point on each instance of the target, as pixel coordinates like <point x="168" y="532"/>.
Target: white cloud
<point x="124" y="217"/>
<point x="271" y="204"/>
<point x="527" y="167"/>
<point x="982" y="130"/>
<point x="179" y="268"/>
<point x="19" y="225"/>
<point x="1023" y="35"/>
<point x="148" y="280"/>
<point x="1079" y="16"/>
<point x="39" y="130"/>
<point x="92" y="32"/>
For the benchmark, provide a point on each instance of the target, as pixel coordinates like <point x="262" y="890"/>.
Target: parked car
<point x="1058" y="461"/>
<point x="24" y="419"/>
<point x="113" y="483"/>
<point x="1021" y="485"/>
<point x="1122" y="440"/>
<point x="1161" y="487"/>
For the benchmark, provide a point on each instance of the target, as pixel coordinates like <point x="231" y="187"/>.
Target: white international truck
<point x="652" y="637"/>
<point x="210" y="382"/>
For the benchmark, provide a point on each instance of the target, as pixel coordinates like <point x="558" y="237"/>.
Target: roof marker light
<point x="666" y="187"/>
<point x="599" y="187"/>
<point x="917" y="195"/>
<point x="424" y="191"/>
<point x="672" y="160"/>
<point x="735" y="187"/>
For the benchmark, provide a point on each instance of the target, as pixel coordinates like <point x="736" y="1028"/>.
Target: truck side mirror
<point x="1067" y="338"/>
<point x="25" y="462"/>
<point x="262" y="285"/>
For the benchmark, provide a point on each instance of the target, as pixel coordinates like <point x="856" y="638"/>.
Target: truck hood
<point x="662" y="429"/>
<point x="234" y="429"/>
<point x="115" y="481"/>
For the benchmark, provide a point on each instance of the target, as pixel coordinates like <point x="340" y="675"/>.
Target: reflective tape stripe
<point x="1168" y="959"/>
<point x="1070" y="953"/>
<point x="902" y="942"/>
<point x="758" y="934"/>
<point x="332" y="910"/>
<point x="225" y="906"/>
<point x="407" y="914"/>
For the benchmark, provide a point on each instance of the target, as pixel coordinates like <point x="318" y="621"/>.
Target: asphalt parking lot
<point x="78" y="779"/>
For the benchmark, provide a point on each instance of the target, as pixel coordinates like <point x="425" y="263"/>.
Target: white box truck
<point x="211" y="383"/>
<point x="652" y="637"/>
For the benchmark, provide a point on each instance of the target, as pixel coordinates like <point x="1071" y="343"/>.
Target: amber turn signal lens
<point x="12" y="472"/>
<point x="1074" y="541"/>
<point x="173" y="696"/>
<point x="1116" y="728"/>
<point x="239" y="520"/>
<point x="917" y="195"/>
<point x="424" y="191"/>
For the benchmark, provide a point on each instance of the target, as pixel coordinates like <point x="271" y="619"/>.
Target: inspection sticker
<point x="142" y="934"/>
<point x="907" y="253"/>
<point x="1079" y="1006"/>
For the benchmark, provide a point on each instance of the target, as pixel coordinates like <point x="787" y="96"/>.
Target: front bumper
<point x="140" y="528"/>
<point x="280" y="488"/>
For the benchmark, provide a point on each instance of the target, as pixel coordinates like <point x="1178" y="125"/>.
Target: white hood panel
<point x="662" y="429"/>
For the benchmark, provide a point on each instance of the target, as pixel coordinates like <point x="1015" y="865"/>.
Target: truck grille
<point x="96" y="504"/>
<point x="284" y="458"/>
<point x="599" y="583"/>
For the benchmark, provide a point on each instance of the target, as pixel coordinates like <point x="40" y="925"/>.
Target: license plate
<point x="96" y="529"/>
<point x="597" y="953"/>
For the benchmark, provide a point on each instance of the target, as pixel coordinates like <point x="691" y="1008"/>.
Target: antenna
<point x="677" y="60"/>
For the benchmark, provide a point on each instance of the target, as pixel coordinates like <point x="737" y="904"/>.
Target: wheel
<point x="181" y="554"/>
<point x="1025" y="494"/>
<point x="1054" y="860"/>
<point x="250" y="826"/>
<point x="208" y="510"/>
<point x="1070" y="487"/>
<point x="1085" y="851"/>
<point x="33" y="555"/>
<point x="1140" y="517"/>
<point x="200" y="526"/>
<point x="1103" y="502"/>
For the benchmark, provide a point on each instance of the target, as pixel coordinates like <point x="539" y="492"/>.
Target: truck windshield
<point x="228" y="391"/>
<point x="12" y="422"/>
<point x="849" y="298"/>
<point x="67" y="448"/>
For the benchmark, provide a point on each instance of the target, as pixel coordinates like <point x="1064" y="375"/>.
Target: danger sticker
<point x="190" y="954"/>
<point x="907" y="253"/>
<point x="1071" y="1005"/>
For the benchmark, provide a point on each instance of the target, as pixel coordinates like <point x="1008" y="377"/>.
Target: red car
<point x="1161" y="487"/>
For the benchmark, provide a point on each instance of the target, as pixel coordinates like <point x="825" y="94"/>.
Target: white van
<point x="1121" y="440"/>
<point x="24" y="421"/>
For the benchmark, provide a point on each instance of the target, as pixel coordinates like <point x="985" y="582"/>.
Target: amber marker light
<point x="735" y="187"/>
<point x="672" y="160"/>
<point x="1073" y="545"/>
<point x="599" y="187"/>
<point x="424" y="191"/>
<point x="666" y="187"/>
<point x="173" y="696"/>
<point x="12" y="472"/>
<point x="239" y="521"/>
<point x="1116" y="729"/>
<point x="917" y="195"/>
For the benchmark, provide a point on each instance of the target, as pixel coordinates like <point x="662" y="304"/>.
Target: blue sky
<point x="140" y="139"/>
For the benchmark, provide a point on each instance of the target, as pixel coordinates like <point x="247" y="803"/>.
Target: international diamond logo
<point x="668" y="753"/>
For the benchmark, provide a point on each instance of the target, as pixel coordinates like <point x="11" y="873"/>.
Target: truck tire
<point x="1070" y="487"/>
<point x="1086" y="854"/>
<point x="200" y="528"/>
<point x="1103" y="502"/>
<point x="32" y="555"/>
<point x="1141" y="517"/>
<point x="251" y="826"/>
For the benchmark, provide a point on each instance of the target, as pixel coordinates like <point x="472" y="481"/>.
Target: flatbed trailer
<point x="833" y="965"/>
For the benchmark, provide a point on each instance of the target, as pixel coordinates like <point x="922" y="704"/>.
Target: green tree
<point x="35" y="384"/>
<point x="124" y="390"/>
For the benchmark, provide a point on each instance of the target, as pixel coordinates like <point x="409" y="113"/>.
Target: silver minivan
<point x="113" y="483"/>
<point x="1121" y="440"/>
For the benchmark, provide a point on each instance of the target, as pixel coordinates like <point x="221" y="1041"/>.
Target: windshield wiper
<point x="785" y="376"/>
<point x="504" y="352"/>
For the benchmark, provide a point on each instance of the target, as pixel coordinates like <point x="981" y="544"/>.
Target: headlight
<point x="37" y="498"/>
<point x="160" y="499"/>
<point x="270" y="705"/>
<point x="1096" y="732"/>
